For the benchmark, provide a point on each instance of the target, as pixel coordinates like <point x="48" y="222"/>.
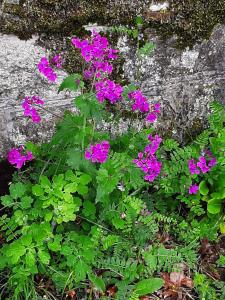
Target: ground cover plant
<point x="93" y="215"/>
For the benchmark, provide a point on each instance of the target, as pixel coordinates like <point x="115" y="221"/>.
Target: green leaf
<point x="203" y="189"/>
<point x="222" y="228"/>
<point x="17" y="190"/>
<point x="70" y="187"/>
<point x="89" y="209"/>
<point x="7" y="200"/>
<point x="128" y="89"/>
<point x="26" y="240"/>
<point x="56" y="244"/>
<point x="135" y="33"/>
<point x="139" y="20"/>
<point x="151" y="260"/>
<point x="98" y="282"/>
<point x="44" y="256"/>
<point x="26" y="202"/>
<point x="70" y="176"/>
<point x="72" y="83"/>
<point x="89" y="106"/>
<point x="148" y="286"/>
<point x="15" y="251"/>
<point x="118" y="222"/>
<point x="214" y="206"/>
<point x="30" y="258"/>
<point x="37" y="190"/>
<point x="109" y="241"/>
<point x="45" y="182"/>
<point x="81" y="270"/>
<point x="85" y="179"/>
<point x="82" y="189"/>
<point x="147" y="48"/>
<point x="29" y="146"/>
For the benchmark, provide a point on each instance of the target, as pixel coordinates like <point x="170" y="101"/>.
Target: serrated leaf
<point x="147" y="48"/>
<point x="70" y="187"/>
<point x="26" y="240"/>
<point x="15" y="251"/>
<point x="109" y="241"/>
<point x="81" y="270"/>
<point x="7" y="200"/>
<point x="45" y="182"/>
<point x="26" y="202"/>
<point x="37" y="190"/>
<point x="55" y="245"/>
<point x="30" y="258"/>
<point x="17" y="190"/>
<point x="44" y="256"/>
<point x="118" y="222"/>
<point x="73" y="82"/>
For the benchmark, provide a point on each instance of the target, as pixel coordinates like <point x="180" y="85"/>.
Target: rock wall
<point x="184" y="80"/>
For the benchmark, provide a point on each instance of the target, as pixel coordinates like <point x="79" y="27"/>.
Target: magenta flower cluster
<point x="17" y="158"/>
<point x="97" y="53"/>
<point x="153" y="115"/>
<point x="202" y="165"/>
<point x="108" y="90"/>
<point x="45" y="68"/>
<point x="147" y="161"/>
<point x="29" y="110"/>
<point x="141" y="104"/>
<point x="98" y="152"/>
<point x="57" y="61"/>
<point x="140" y="101"/>
<point x="193" y="189"/>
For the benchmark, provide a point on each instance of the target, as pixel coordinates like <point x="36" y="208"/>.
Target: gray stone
<point x="184" y="82"/>
<point x="19" y="77"/>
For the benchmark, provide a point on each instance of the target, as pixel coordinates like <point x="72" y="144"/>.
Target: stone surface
<point x="19" y="77"/>
<point x="184" y="82"/>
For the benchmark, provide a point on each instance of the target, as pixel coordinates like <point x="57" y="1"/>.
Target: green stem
<point x="84" y="126"/>
<point x="43" y="108"/>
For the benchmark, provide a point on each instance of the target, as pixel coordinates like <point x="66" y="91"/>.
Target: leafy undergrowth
<point x="100" y="217"/>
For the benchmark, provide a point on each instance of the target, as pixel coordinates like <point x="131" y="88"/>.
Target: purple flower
<point x="140" y="101"/>
<point x="57" y="61"/>
<point x="202" y="164"/>
<point x="157" y="107"/>
<point x="147" y="161"/>
<point x="108" y="90"/>
<point x="45" y="68"/>
<point x="29" y="110"/>
<point x="192" y="167"/>
<point x="17" y="158"/>
<point x="212" y="162"/>
<point x="97" y="54"/>
<point x="193" y="189"/>
<point x="98" y="152"/>
<point x="152" y="117"/>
